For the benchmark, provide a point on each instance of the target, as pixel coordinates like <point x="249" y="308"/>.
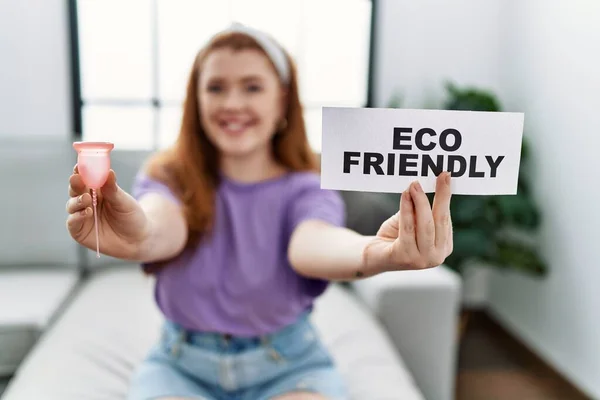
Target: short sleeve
<point x="144" y="184"/>
<point x="309" y="201"/>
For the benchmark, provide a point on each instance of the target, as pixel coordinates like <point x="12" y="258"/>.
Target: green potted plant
<point x="490" y="231"/>
<point x="495" y="231"/>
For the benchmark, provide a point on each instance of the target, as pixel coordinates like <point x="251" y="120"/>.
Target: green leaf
<point x="472" y="243"/>
<point x="396" y="101"/>
<point x="455" y="262"/>
<point x="518" y="210"/>
<point x="525" y="150"/>
<point x="517" y="256"/>
<point x="466" y="209"/>
<point x="470" y="99"/>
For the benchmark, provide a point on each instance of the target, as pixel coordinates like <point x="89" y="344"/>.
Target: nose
<point x="233" y="100"/>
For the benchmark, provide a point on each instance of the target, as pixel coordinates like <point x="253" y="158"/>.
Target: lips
<point x="235" y="127"/>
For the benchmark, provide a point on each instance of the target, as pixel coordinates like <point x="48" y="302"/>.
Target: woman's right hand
<point x="122" y="223"/>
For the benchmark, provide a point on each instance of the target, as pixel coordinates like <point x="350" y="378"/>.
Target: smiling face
<point x="241" y="101"/>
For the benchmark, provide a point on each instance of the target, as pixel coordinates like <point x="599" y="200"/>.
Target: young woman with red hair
<point x="232" y="222"/>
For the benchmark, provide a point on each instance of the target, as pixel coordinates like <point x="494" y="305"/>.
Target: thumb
<point x="110" y="188"/>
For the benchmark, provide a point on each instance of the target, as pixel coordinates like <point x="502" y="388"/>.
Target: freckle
<point x="359" y="274"/>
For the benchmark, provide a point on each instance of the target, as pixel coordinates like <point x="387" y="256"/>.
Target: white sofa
<point x="74" y="327"/>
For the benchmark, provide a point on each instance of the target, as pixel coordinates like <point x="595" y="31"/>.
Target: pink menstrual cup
<point x="93" y="163"/>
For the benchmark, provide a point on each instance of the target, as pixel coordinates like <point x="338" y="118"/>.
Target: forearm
<point x="157" y="245"/>
<point x="165" y="233"/>
<point x="321" y="251"/>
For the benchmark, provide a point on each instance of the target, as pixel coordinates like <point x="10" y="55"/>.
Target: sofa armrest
<point x="30" y="298"/>
<point x="420" y="310"/>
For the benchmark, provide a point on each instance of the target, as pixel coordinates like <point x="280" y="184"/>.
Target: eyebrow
<point x="246" y="78"/>
<point x="251" y="78"/>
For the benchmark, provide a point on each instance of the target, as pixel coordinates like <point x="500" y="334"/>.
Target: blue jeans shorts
<point x="210" y="366"/>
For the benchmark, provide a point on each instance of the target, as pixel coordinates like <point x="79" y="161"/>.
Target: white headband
<point x="273" y="50"/>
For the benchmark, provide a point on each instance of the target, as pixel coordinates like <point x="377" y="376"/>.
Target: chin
<point x="238" y="148"/>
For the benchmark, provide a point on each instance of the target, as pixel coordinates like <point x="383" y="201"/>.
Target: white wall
<point x="552" y="73"/>
<point x="34" y="68"/>
<point x="423" y="43"/>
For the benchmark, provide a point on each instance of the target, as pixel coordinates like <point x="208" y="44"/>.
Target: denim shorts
<point x="212" y="366"/>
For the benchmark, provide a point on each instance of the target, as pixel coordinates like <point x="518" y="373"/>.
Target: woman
<point x="241" y="238"/>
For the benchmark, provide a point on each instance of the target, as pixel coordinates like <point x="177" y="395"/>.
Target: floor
<point x="495" y="366"/>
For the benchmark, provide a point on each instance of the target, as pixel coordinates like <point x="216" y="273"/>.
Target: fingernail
<point x="418" y="187"/>
<point x="84" y="212"/>
<point x="79" y="199"/>
<point x="447" y="178"/>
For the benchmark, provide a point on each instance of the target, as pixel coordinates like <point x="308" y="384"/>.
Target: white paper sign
<point x="384" y="150"/>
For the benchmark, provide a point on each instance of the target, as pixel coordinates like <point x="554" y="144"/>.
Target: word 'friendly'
<point x="406" y="163"/>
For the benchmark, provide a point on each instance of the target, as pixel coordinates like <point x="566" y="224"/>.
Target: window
<point x="131" y="59"/>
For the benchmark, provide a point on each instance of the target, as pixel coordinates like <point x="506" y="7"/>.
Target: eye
<point x="214" y="88"/>
<point x="253" y="88"/>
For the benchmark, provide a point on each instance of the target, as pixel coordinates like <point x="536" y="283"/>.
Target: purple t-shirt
<point x="238" y="280"/>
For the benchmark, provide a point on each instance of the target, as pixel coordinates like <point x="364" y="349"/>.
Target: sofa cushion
<point x="94" y="347"/>
<point x="29" y="299"/>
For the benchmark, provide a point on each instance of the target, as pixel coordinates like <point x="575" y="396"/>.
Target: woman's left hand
<point x="419" y="236"/>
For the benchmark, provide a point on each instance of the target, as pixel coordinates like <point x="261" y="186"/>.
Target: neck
<point x="251" y="168"/>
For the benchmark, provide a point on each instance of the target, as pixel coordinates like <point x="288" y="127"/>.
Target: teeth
<point x="234" y="126"/>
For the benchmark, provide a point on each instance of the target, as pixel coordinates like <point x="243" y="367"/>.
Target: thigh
<point x="157" y="378"/>
<point x="317" y="384"/>
<point x="305" y="368"/>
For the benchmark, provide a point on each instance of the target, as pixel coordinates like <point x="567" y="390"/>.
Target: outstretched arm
<point x="418" y="236"/>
